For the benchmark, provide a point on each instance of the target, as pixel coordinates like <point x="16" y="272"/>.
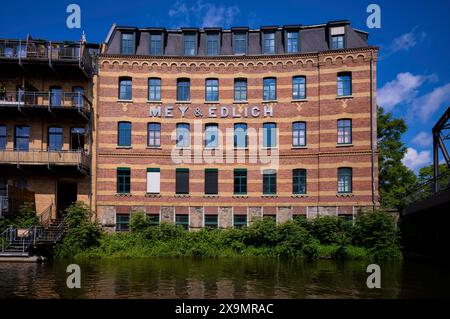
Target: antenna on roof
<point x="83" y="37"/>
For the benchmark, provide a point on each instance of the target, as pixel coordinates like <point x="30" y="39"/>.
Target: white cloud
<point x="423" y="139"/>
<point x="403" y="88"/>
<point x="415" y="160"/>
<point x="405" y="42"/>
<point x="426" y="105"/>
<point x="202" y="14"/>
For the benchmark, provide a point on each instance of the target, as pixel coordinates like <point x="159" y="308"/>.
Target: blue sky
<point x="413" y="70"/>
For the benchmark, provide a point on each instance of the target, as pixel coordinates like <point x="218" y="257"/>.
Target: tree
<point x="394" y="178"/>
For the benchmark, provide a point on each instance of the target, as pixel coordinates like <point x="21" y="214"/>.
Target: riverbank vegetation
<point x="373" y="235"/>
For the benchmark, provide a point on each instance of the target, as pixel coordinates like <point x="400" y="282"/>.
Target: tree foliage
<point x="394" y="178"/>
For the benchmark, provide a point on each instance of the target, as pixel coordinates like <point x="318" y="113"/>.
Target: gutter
<point x="372" y="144"/>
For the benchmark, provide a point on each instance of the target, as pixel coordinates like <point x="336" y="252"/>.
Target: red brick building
<point x="212" y="127"/>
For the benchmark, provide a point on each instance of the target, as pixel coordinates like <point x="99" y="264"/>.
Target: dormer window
<point x="240" y="43"/>
<point x="269" y="46"/>
<point x="212" y="44"/>
<point x="190" y="44"/>
<point x="337" y="38"/>
<point x="292" y="41"/>
<point x="156" y="44"/>
<point x="127" y="43"/>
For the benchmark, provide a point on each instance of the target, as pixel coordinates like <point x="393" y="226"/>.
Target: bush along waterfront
<point x="374" y="235"/>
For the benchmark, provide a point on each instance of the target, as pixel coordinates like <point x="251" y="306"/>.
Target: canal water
<point x="224" y="278"/>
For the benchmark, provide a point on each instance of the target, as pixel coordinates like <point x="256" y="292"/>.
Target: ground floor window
<point x="122" y="222"/>
<point x="211" y="221"/>
<point x="153" y="219"/>
<point x="182" y="220"/>
<point x="239" y="221"/>
<point x="346" y="217"/>
<point x="271" y="217"/>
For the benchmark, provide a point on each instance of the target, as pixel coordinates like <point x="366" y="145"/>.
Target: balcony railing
<point x="44" y="157"/>
<point x="50" y="100"/>
<point x="26" y="50"/>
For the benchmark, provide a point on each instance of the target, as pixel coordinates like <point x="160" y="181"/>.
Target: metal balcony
<point x="47" y="100"/>
<point x="29" y="51"/>
<point x="78" y="159"/>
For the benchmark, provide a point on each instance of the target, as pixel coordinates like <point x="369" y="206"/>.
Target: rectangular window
<point x="299" y="134"/>
<point x="77" y="138"/>
<point x="211" y="136"/>
<point x="155" y="44"/>
<point x="153" y="181"/>
<point x="240" y="181"/>
<point x="240" y="90"/>
<point x="298" y="88"/>
<point x="211" y="221"/>
<point x="55" y="141"/>
<point x="78" y="93"/>
<point x="239" y="221"/>
<point x="212" y="90"/>
<point x="344" y="131"/>
<point x="123" y="180"/>
<point x="292" y="41"/>
<point x="182" y="181"/>
<point x="269" y="135"/>
<point x="153" y="219"/>
<point x="154" y="89"/>
<point x="122" y="222"/>
<point x="270" y="89"/>
<point x="211" y="181"/>
<point x="183" y="135"/>
<point x="212" y="44"/>
<point x="183" y="90"/>
<point x="190" y="44"/>
<point x="344" y="84"/>
<point x="125" y="89"/>
<point x="124" y="134"/>
<point x="299" y="181"/>
<point x="127" y="43"/>
<point x="337" y="42"/>
<point x="269" y="182"/>
<point x="240" y="43"/>
<point x="154" y="135"/>
<point x="344" y="180"/>
<point x="2" y="137"/>
<point x="269" y="42"/>
<point x="22" y="138"/>
<point x="182" y="220"/>
<point x="240" y="135"/>
<point x="55" y="96"/>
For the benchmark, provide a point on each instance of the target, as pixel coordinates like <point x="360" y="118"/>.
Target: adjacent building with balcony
<point x="46" y="96"/>
<point x="214" y="128"/>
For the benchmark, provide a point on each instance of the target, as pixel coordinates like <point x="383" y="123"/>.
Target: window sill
<point x="155" y="102"/>
<point x="211" y="196"/>
<point x="269" y="148"/>
<point x="123" y="195"/>
<point x="300" y="195"/>
<point x="241" y="148"/>
<point x="339" y="97"/>
<point x="344" y="195"/>
<point x="124" y="147"/>
<point x="269" y="101"/>
<point x="299" y="100"/>
<point x="124" y="101"/>
<point x="154" y="147"/>
<point x="153" y="195"/>
<point x="211" y="102"/>
<point x="181" y="195"/>
<point x="240" y="102"/>
<point x="240" y="196"/>
<point x="182" y="102"/>
<point x="269" y="195"/>
<point x="188" y="148"/>
<point x="299" y="147"/>
<point x="344" y="145"/>
<point x="211" y="148"/>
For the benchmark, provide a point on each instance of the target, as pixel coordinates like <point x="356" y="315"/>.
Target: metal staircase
<point x="35" y="240"/>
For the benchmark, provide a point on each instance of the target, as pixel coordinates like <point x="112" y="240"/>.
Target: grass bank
<point x="373" y="235"/>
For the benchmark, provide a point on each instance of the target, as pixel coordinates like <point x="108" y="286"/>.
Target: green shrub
<point x="261" y="233"/>
<point x="139" y="221"/>
<point x="331" y="229"/>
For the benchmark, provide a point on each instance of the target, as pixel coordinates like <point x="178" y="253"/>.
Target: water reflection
<point x="222" y="278"/>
